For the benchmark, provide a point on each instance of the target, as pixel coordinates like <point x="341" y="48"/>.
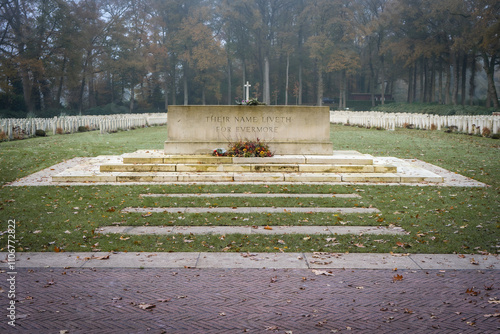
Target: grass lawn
<point x="438" y="219"/>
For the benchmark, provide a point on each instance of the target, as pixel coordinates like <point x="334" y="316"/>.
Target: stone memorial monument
<point x="287" y="129"/>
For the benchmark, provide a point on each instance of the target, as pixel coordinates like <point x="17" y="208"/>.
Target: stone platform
<point x="156" y="166"/>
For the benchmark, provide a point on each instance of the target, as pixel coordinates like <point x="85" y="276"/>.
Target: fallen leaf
<point x="322" y="272"/>
<point x="163" y="300"/>
<point x="124" y="238"/>
<point x="397" y="277"/>
<point x="248" y="254"/>
<point x="144" y="306"/>
<point x="472" y="292"/>
<point x="104" y="257"/>
<point x="492" y="315"/>
<point x="360" y="245"/>
<point x="268" y="227"/>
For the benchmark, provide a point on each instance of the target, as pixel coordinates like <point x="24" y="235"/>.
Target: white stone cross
<point x="247" y="88"/>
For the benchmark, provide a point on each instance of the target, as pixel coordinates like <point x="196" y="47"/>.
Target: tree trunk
<point x="286" y="82"/>
<point x="409" y="95"/>
<point x="82" y="89"/>
<point x="456" y="76"/>
<point x="344" y="90"/>
<point x="464" y="77"/>
<point x="319" y="96"/>
<point x="229" y="81"/>
<point x="447" y="87"/>
<point x="25" y="77"/>
<point x="82" y="86"/>
<point x="185" y="84"/>
<point x="300" y="84"/>
<point x="372" y="81"/>
<point x="433" y="80"/>
<point x="421" y="81"/>
<point x="173" y="83"/>
<point x="267" y="88"/>
<point x="165" y="94"/>
<point x="414" y="93"/>
<point x="132" y="98"/>
<point x="440" y="84"/>
<point x="61" y="82"/>
<point x="425" y="73"/>
<point x="472" y="79"/>
<point x="382" y="80"/>
<point x="489" y="67"/>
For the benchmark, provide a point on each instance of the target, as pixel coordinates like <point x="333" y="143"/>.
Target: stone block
<point x="197" y="159"/>
<point x="276" y="159"/>
<point x="419" y="179"/>
<point x="312" y="177"/>
<point x="259" y="177"/>
<point x="137" y="168"/>
<point x="287" y="129"/>
<point x="142" y="160"/>
<point x="83" y="177"/>
<point x="309" y="168"/>
<point x="274" y="168"/>
<point x="205" y="177"/>
<point x="200" y="168"/>
<point x="339" y="159"/>
<point x="385" y="169"/>
<point x="147" y="177"/>
<point x="371" y="177"/>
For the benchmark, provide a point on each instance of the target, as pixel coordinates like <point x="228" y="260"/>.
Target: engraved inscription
<point x="229" y="124"/>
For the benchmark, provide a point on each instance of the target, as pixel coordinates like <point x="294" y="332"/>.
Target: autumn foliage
<point x="147" y="54"/>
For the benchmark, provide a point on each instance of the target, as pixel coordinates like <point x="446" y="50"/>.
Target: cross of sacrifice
<point x="247" y="88"/>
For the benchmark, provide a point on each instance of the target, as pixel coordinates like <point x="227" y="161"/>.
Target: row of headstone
<point x="466" y="124"/>
<point x="16" y="128"/>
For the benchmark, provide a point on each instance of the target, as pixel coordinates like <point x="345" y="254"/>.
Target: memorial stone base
<point x="286" y="129"/>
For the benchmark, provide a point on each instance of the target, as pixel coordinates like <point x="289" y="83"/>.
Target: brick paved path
<point x="253" y="301"/>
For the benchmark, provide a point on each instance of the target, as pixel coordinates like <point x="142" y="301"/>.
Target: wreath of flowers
<point x="254" y="148"/>
<point x="251" y="102"/>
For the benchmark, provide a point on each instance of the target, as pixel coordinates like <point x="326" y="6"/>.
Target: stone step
<point x="75" y="176"/>
<point x="309" y="230"/>
<point x="338" y="158"/>
<point x="248" y="209"/>
<point x="243" y="168"/>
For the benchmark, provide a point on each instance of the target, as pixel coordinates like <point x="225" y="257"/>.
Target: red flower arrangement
<point x="245" y="149"/>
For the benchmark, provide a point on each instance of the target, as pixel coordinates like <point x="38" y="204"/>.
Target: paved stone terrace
<point x="91" y="166"/>
<point x="183" y="300"/>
